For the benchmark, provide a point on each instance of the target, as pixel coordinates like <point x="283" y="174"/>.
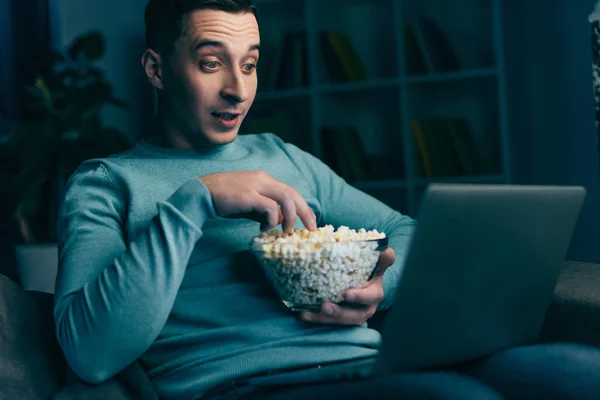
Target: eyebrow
<point x="215" y="43"/>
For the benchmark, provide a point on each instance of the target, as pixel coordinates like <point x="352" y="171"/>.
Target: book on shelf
<point x="269" y="65"/>
<point x="427" y="48"/>
<point x="287" y="66"/>
<point x="286" y="63"/>
<point x="446" y="147"/>
<point x="344" y="152"/>
<point x="415" y="55"/>
<point x="340" y="58"/>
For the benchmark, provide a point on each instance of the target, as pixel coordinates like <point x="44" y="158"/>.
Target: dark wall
<point x="25" y="33"/>
<point x="552" y="105"/>
<point x="24" y="41"/>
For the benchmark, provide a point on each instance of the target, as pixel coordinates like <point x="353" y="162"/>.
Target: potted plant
<point x="61" y="127"/>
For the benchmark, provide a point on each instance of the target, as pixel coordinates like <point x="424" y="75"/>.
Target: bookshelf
<point x="417" y="112"/>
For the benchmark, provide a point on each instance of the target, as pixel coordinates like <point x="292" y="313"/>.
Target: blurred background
<point x="392" y="94"/>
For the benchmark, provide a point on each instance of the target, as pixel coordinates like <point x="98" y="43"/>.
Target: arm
<point x="113" y="297"/>
<point x="342" y="204"/>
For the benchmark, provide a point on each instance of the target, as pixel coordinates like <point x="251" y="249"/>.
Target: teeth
<point x="225" y="116"/>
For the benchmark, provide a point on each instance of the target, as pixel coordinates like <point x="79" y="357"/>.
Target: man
<point x="154" y="260"/>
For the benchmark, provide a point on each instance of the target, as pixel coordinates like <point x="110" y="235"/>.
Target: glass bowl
<point x="305" y="275"/>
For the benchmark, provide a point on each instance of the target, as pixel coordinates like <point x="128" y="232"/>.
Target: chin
<point x="220" y="138"/>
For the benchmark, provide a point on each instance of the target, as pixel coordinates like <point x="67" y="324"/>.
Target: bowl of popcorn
<point x="308" y="268"/>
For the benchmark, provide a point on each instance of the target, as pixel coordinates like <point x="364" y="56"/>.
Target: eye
<point x="249" y="67"/>
<point x="210" y="65"/>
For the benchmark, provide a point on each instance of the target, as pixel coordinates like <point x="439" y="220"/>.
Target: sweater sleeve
<point x="113" y="297"/>
<point x="343" y="204"/>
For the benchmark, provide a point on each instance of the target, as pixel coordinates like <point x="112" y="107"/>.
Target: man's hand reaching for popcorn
<point x="360" y="304"/>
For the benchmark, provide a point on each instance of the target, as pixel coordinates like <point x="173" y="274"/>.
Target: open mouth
<point x="225" y="116"/>
<point x="226" y="120"/>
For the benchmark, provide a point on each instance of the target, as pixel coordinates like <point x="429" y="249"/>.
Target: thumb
<point x="386" y="259"/>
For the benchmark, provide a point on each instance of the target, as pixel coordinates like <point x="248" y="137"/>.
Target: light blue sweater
<point x="148" y="270"/>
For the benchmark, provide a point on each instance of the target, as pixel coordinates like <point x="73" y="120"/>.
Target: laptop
<point x="478" y="277"/>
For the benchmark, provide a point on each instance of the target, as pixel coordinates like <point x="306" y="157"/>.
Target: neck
<point x="166" y="132"/>
<point x="172" y="132"/>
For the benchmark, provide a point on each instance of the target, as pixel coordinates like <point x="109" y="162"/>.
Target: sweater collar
<point x="224" y="151"/>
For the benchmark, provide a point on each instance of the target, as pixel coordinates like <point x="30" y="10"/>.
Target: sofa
<point x="32" y="365"/>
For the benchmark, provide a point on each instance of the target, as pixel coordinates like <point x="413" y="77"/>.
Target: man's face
<point x="209" y="82"/>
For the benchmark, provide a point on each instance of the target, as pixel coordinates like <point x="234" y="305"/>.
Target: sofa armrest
<point x="111" y="389"/>
<point x="574" y="314"/>
<point x="130" y="384"/>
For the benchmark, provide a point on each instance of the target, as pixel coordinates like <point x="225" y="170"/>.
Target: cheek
<point x="254" y="83"/>
<point x="198" y="89"/>
<point x="179" y="87"/>
<point x="252" y="86"/>
<point x="203" y="95"/>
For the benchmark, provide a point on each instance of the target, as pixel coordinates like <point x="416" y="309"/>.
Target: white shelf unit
<point x="383" y="106"/>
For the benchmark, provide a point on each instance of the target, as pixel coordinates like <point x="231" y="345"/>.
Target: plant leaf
<point x="76" y="47"/>
<point x="94" y="46"/>
<point x="118" y="103"/>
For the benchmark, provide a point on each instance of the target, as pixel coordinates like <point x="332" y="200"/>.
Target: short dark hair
<point x="163" y="18"/>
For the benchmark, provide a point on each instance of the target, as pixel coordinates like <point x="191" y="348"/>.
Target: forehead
<point x="239" y="29"/>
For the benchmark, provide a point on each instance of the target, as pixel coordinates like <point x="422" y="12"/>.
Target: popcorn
<point x="327" y="233"/>
<point x="308" y="268"/>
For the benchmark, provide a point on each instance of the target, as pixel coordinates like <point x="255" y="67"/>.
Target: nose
<point x="235" y="89"/>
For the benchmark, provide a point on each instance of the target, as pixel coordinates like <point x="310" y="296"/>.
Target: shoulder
<point x="263" y="139"/>
<point x="109" y="170"/>
<point x="270" y="141"/>
<point x="98" y="179"/>
<point x="90" y="186"/>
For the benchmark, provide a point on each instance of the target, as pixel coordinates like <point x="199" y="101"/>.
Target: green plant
<point x="61" y="127"/>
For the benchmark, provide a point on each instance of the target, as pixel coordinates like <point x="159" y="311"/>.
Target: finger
<point x="306" y="214"/>
<point x="288" y="207"/>
<point x="371" y="295"/>
<point x="268" y="211"/>
<point x="266" y="226"/>
<point x="334" y="314"/>
<point x="386" y="259"/>
<point x="303" y="210"/>
<point x="282" y="193"/>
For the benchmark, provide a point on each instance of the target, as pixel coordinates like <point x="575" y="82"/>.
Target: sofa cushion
<point x="574" y="314"/>
<point x="31" y="362"/>
<point x="28" y="369"/>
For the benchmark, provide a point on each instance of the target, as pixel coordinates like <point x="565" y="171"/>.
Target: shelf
<point x="282" y="94"/>
<point x="387" y="184"/>
<point x="356" y="86"/>
<point x="453" y="76"/>
<point x="290" y="120"/>
<point x="282" y="34"/>
<point x="463" y="179"/>
<point x="396" y="198"/>
<point x="363" y="31"/>
<point x="373" y="117"/>
<point x="328" y="88"/>
<point x="475" y="103"/>
<point x="392" y="184"/>
<point x="358" y="73"/>
<point x="464" y="28"/>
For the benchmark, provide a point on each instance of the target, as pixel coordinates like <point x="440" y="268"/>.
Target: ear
<point x="151" y="62"/>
